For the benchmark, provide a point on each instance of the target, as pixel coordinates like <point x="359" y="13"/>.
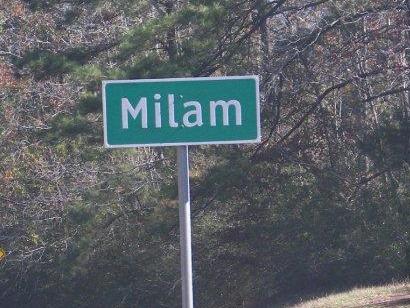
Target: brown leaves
<point x="8" y="175"/>
<point x="17" y="9"/>
<point x="7" y="79"/>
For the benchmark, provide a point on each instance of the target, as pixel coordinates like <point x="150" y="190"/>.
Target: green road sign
<point x="181" y="111"/>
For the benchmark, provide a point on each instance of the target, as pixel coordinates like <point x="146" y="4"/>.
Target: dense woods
<point x="321" y="204"/>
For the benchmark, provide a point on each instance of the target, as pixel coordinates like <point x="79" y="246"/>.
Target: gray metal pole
<point x="185" y="226"/>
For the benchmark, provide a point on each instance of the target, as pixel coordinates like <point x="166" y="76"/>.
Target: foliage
<point x="321" y="204"/>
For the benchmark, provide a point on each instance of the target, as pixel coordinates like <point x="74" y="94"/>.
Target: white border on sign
<point x="254" y="77"/>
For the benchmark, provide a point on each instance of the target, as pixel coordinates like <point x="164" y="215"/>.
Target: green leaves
<point x="90" y="102"/>
<point x="389" y="144"/>
<point x="43" y="63"/>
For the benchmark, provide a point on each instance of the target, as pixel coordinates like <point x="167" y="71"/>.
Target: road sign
<point x="181" y="111"/>
<point x="2" y="254"/>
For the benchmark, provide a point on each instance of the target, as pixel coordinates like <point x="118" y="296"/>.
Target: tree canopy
<point x="322" y="203"/>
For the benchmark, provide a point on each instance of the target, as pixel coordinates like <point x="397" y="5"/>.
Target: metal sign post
<point x="185" y="226"/>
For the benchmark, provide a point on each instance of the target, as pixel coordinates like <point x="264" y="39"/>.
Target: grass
<point x="392" y="295"/>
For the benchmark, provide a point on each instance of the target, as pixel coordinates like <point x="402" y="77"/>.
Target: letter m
<point x="128" y="109"/>
<point x="225" y="111"/>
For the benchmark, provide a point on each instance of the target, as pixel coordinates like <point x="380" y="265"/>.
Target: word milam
<point x="191" y="118"/>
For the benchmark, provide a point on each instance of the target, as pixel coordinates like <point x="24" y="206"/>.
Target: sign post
<point x="181" y="112"/>
<point x="185" y="226"/>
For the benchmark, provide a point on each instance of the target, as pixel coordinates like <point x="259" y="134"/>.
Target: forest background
<point x="321" y="204"/>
